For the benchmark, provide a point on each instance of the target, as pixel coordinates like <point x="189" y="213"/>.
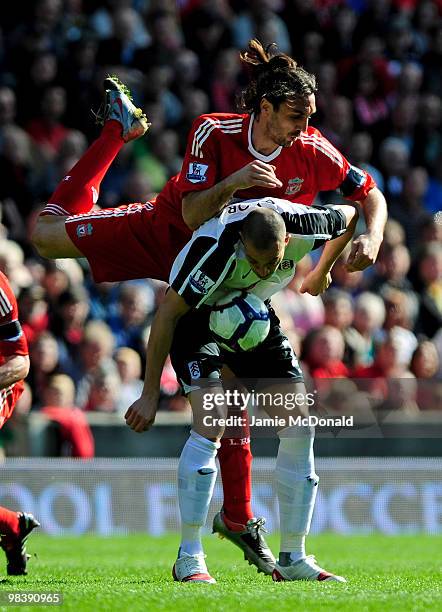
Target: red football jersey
<point x="220" y="144"/>
<point x="12" y="342"/>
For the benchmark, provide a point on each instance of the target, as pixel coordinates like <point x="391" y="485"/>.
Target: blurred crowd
<point x="380" y="88"/>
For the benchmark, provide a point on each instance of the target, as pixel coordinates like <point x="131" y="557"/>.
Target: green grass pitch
<point x="134" y="573"/>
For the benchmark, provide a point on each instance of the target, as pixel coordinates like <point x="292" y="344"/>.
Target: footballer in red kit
<point x="269" y="150"/>
<point x="12" y="344"/>
<point x="220" y="144"/>
<point x="14" y="366"/>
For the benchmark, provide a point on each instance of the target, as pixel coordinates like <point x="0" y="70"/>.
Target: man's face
<point x="291" y="119"/>
<point x="264" y="263"/>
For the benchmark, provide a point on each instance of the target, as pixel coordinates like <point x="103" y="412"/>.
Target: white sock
<point x="296" y="487"/>
<point x="196" y="478"/>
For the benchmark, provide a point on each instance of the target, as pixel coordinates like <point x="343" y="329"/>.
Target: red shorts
<point x="8" y="399"/>
<point x="132" y="241"/>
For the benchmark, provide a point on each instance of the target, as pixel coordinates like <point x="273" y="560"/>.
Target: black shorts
<point x="195" y="355"/>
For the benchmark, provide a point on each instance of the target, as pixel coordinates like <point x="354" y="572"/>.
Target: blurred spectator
<point x="47" y="130"/>
<point x="78" y="75"/>
<point x="166" y="150"/>
<point x="19" y="171"/>
<point x="340" y="36"/>
<point x="103" y="392"/>
<point x="425" y="360"/>
<point x="360" y="153"/>
<point x="247" y="24"/>
<point x="7" y="110"/>
<point x="60" y="274"/>
<point x="392" y="357"/>
<point x="428" y="137"/>
<point x="401" y="395"/>
<point x="338" y="309"/>
<point x="432" y="60"/>
<point x="327" y="77"/>
<point x="430" y="229"/>
<point x="120" y="48"/>
<point x="394" y="234"/>
<point x="301" y="17"/>
<point x="394" y="158"/>
<point x="323" y="352"/>
<point x="95" y="358"/>
<point x="401" y="308"/>
<point x="129" y="369"/>
<point x="33" y="310"/>
<point x="361" y="337"/>
<point x="195" y="103"/>
<point x="76" y="439"/>
<point x="339" y="314"/>
<point x="67" y="323"/>
<point x="42" y="73"/>
<point x="103" y="298"/>
<point x="370" y="103"/>
<point x="410" y="210"/>
<point x="428" y="283"/>
<point x="392" y="269"/>
<point x="12" y="264"/>
<point x="400" y="42"/>
<point x="403" y="121"/>
<point x="44" y="359"/>
<point x="158" y="82"/>
<point x="186" y="72"/>
<point x="409" y="81"/>
<point x="166" y="42"/>
<point x="135" y="305"/>
<point x="206" y="31"/>
<point x="338" y="122"/>
<point x="224" y="88"/>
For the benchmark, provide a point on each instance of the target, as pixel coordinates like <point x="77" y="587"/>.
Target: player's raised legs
<point x="79" y="190"/>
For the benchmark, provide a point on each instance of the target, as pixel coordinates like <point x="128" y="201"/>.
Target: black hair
<point x="275" y="76"/>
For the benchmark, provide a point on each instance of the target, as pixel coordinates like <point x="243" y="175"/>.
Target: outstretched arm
<point x="319" y="279"/>
<point x="365" y="248"/>
<point x="141" y="415"/>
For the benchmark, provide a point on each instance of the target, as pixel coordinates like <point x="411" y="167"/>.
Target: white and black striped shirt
<point x="213" y="262"/>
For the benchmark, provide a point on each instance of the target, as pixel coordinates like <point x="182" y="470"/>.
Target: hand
<point x="256" y="173"/>
<point x="364" y="252"/>
<point x="141" y="415"/>
<point x="316" y="282"/>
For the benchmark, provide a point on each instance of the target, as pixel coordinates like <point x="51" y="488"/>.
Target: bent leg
<point x="79" y="190"/>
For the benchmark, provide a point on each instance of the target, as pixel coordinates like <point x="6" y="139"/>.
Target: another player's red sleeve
<point x="12" y="338"/>
<point x="198" y="171"/>
<point x="333" y="171"/>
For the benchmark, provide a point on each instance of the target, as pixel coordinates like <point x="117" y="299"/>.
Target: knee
<point x="213" y="431"/>
<point x="45" y="236"/>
